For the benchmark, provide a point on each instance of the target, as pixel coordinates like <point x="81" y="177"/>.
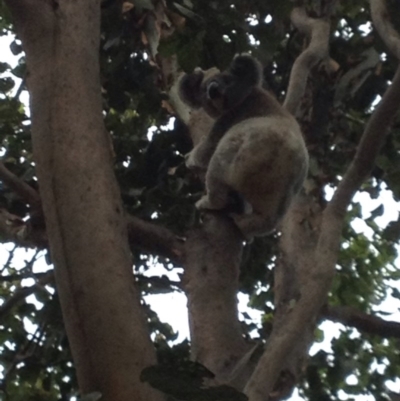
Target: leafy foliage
<point x="186" y="381"/>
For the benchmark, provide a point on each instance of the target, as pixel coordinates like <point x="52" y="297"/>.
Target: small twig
<point x="20" y="187"/>
<point x="20" y="89"/>
<point x="18" y="277"/>
<point x="9" y="259"/>
<point x="361" y="321"/>
<point x="25" y="351"/>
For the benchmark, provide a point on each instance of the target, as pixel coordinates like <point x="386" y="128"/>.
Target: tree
<point x="87" y="142"/>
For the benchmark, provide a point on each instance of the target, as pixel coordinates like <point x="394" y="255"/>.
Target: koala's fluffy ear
<point x="189" y="88"/>
<point x="247" y="69"/>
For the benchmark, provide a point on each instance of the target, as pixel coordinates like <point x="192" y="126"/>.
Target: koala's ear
<point x="247" y="69"/>
<point x="189" y="88"/>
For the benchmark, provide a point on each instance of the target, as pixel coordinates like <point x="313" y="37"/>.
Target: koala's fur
<point x="255" y="147"/>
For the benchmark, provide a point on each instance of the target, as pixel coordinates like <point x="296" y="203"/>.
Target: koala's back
<point x="264" y="159"/>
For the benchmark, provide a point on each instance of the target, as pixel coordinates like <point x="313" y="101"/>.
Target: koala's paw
<point x="204" y="203"/>
<point x="195" y="167"/>
<point x="190" y="161"/>
<point x="241" y="221"/>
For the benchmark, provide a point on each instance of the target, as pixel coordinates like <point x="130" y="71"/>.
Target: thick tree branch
<point x="368" y="148"/>
<point x="378" y="125"/>
<point x="212" y="259"/>
<point x="381" y="18"/>
<point x="199" y="123"/>
<point x="361" y="321"/>
<point x="106" y="328"/>
<point x="298" y="310"/>
<point x="20" y="187"/>
<point x="300" y="292"/>
<point x="317" y="51"/>
<point x="211" y="262"/>
<point x="321" y="266"/>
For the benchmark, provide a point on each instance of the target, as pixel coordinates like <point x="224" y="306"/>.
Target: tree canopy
<point x="143" y="47"/>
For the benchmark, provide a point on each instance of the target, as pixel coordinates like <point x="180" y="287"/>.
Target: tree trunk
<point x="212" y="259"/>
<point x="81" y="201"/>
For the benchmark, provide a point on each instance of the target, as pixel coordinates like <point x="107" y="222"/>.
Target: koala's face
<point x="218" y="92"/>
<point x="207" y="89"/>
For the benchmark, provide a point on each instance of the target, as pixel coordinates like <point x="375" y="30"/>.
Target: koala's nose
<point x="213" y="91"/>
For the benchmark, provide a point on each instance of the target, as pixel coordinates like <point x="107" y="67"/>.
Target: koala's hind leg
<point x="254" y="225"/>
<point x="217" y="196"/>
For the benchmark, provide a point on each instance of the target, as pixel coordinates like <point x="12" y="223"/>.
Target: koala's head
<point x="218" y="92"/>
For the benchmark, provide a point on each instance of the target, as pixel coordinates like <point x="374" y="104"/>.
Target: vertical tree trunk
<point x="213" y="252"/>
<point x="81" y="201"/>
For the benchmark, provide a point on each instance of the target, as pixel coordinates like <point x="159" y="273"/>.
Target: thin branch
<point x="361" y="321"/>
<point x="317" y="50"/>
<point x="20" y="187"/>
<point x="20" y="88"/>
<point x="154" y="239"/>
<point x="9" y="278"/>
<point x="146" y="236"/>
<point x="143" y="235"/>
<point x="23" y="293"/>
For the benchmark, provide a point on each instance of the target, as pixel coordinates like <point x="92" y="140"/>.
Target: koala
<point x="255" y="147"/>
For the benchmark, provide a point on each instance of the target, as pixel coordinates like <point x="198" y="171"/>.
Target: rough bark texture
<point x="81" y="202"/>
<point x="212" y="259"/>
<point x="316" y="52"/>
<point x="88" y="237"/>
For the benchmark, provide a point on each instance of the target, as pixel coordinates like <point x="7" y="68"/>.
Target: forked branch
<point x="317" y="51"/>
<point x="378" y="125"/>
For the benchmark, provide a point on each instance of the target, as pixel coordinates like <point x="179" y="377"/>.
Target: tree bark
<point x="212" y="255"/>
<point x="81" y="202"/>
<point x="212" y="259"/>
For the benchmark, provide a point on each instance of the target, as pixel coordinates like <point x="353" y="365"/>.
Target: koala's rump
<point x="262" y="158"/>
